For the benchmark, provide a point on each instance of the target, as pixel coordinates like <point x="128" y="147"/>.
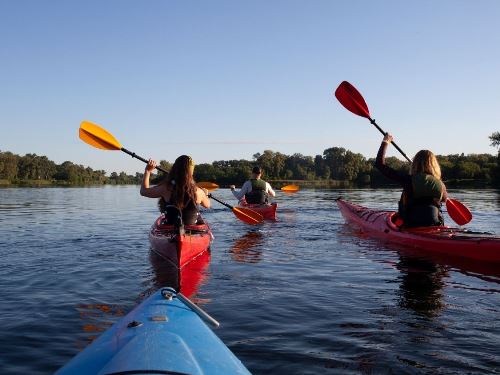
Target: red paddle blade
<point x="247" y="215"/>
<point x="351" y="99"/>
<point x="458" y="212"/>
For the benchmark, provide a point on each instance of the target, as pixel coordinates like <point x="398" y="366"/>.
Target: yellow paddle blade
<point x="97" y="137"/>
<point x="210" y="186"/>
<point x="247" y="215"/>
<point x="290" y="188"/>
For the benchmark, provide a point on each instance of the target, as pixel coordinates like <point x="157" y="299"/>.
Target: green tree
<point x="8" y="166"/>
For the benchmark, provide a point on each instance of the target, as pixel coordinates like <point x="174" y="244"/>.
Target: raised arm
<point x="380" y="162"/>
<point x="154" y="191"/>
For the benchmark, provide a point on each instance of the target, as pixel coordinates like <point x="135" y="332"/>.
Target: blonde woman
<point x="423" y="190"/>
<point x="178" y="193"/>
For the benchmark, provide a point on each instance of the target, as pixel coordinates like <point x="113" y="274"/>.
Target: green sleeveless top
<point x="427" y="186"/>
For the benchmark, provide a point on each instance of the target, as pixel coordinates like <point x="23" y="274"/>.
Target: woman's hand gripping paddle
<point x="353" y="101"/>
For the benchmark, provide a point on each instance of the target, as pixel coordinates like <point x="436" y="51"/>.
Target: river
<point x="304" y="295"/>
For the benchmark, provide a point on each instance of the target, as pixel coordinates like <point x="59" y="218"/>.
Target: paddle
<point x="244" y="214"/>
<point x="290" y="188"/>
<point x="354" y="102"/>
<point x="98" y="137"/>
<point x="210" y="186"/>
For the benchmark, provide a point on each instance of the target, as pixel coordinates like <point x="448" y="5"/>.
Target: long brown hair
<point x="180" y="181"/>
<point x="425" y="162"/>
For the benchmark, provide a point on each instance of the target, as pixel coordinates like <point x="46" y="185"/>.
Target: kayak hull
<point x="268" y="211"/>
<point x="159" y="336"/>
<point x="442" y="240"/>
<point x="176" y="247"/>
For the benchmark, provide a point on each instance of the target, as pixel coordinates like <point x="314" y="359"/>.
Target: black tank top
<point x="188" y="215"/>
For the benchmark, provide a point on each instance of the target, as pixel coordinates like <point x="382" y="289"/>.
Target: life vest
<point x="188" y="216"/>
<point x="422" y="205"/>
<point x="258" y="194"/>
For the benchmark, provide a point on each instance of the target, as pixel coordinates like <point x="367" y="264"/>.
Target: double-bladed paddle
<point x="353" y="101"/>
<point x="244" y="214"/>
<point x="290" y="188"/>
<point x="98" y="137"/>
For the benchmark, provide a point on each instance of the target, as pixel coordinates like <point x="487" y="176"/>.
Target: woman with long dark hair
<point x="178" y="193"/>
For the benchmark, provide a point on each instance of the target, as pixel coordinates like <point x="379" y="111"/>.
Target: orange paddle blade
<point x="247" y="215"/>
<point x="210" y="186"/>
<point x="458" y="212"/>
<point x="290" y="188"/>
<point x="97" y="137"/>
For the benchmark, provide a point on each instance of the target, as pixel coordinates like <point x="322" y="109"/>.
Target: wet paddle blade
<point x="352" y="100"/>
<point x="290" y="188"/>
<point x="458" y="212"/>
<point x="247" y="215"/>
<point x="210" y="186"/>
<point x="97" y="137"/>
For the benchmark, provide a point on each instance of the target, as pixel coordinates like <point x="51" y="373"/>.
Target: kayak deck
<point x="179" y="246"/>
<point x="163" y="335"/>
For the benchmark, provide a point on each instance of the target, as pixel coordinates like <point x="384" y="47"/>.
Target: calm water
<point x="305" y="295"/>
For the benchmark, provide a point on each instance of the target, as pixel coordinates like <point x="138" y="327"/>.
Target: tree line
<point x="335" y="164"/>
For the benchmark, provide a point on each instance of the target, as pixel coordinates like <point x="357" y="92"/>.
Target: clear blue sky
<point x="223" y="80"/>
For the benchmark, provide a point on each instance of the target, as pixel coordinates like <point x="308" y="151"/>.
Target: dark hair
<point x="180" y="181"/>
<point x="257" y="170"/>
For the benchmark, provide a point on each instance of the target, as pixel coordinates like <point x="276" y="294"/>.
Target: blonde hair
<point x="425" y="162"/>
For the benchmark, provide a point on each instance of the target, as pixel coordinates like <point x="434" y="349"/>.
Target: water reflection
<point x="421" y="287"/>
<point x="96" y="318"/>
<point x="186" y="280"/>
<point x="247" y="249"/>
<point x="484" y="270"/>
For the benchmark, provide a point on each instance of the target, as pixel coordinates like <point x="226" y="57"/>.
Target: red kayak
<point x="179" y="246"/>
<point x="446" y="240"/>
<point x="268" y="211"/>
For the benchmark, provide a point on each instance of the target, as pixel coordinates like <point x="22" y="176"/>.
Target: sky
<point x="225" y="79"/>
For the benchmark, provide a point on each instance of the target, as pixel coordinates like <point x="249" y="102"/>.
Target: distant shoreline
<point x="276" y="184"/>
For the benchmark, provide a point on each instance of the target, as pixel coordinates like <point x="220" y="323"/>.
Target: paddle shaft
<point x="221" y="202"/>
<point x="134" y="155"/>
<point x="372" y="121"/>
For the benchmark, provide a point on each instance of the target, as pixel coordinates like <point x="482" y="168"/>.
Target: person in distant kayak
<point x="178" y="193"/>
<point x="255" y="190"/>
<point x="423" y="190"/>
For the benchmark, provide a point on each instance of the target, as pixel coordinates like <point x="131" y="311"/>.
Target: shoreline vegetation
<point x="277" y="184"/>
<point x="335" y="168"/>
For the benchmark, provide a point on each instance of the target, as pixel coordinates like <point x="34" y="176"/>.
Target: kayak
<point x="268" y="211"/>
<point x="179" y="245"/>
<point x="163" y="335"/>
<point x="444" y="240"/>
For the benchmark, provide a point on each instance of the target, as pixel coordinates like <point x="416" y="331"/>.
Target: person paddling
<point x="178" y="193"/>
<point x="255" y="190"/>
<point x="423" y="190"/>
